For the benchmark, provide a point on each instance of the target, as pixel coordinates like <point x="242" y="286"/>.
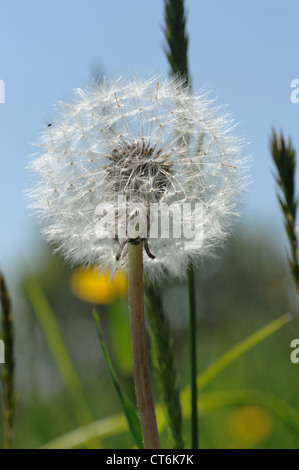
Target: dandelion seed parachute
<point x="150" y="141"/>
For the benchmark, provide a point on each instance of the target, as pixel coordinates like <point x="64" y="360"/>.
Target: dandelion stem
<point x="143" y="389"/>
<point x="192" y="349"/>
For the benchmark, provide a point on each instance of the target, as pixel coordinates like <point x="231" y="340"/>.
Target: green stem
<point x="177" y="41"/>
<point x="143" y="389"/>
<point x="192" y="346"/>
<point x="162" y="354"/>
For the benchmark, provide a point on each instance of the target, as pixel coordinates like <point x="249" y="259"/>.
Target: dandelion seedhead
<point x="152" y="143"/>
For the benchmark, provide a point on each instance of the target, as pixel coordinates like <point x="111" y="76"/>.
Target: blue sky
<point x="245" y="52"/>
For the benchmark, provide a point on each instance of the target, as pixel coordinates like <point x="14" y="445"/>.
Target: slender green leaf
<point x="237" y="351"/>
<point x="58" y="350"/>
<point x="193" y="356"/>
<point x="103" y="428"/>
<point x="211" y="401"/>
<point x="128" y="407"/>
<point x="8" y="369"/>
<point x="207" y="403"/>
<point x="119" y="332"/>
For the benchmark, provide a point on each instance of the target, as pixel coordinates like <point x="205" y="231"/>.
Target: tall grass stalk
<point x="8" y="367"/>
<point x="177" y="55"/>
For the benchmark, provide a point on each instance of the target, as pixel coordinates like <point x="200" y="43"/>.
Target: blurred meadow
<point x="64" y="395"/>
<point x="253" y="288"/>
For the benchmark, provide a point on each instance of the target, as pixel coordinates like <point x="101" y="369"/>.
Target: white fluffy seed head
<point x="151" y="142"/>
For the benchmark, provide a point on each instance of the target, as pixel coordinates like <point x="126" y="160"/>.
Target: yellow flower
<point x="94" y="287"/>
<point x="250" y="425"/>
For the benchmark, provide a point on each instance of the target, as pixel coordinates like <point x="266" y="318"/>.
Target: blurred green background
<point x="245" y="52"/>
<point x="246" y="288"/>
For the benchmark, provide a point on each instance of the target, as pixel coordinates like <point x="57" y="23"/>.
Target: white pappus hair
<point x="150" y="141"/>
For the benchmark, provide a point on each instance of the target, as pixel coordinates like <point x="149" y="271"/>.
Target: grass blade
<point x="192" y="356"/>
<point x="101" y="429"/>
<point x="177" y="54"/>
<point x="207" y="403"/>
<point x="128" y="407"/>
<point x="9" y="365"/>
<point x="241" y="348"/>
<point x="212" y="401"/>
<point x="58" y="350"/>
